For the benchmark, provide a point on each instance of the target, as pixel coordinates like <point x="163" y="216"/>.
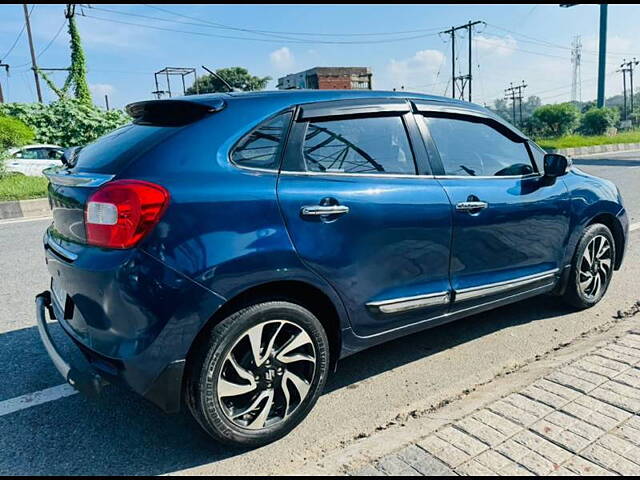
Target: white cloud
<point x="282" y="59"/>
<point x="501" y="46"/>
<point x="419" y="70"/>
<point x="99" y="90"/>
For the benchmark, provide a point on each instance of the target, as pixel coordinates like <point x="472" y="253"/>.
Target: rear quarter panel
<point x="223" y="227"/>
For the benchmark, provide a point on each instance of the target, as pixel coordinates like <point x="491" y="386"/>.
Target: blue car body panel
<point x="229" y="229"/>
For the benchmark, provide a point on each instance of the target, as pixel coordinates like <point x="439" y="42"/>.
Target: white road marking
<point x="22" y="220"/>
<point x="634" y="226"/>
<point x="36" y="398"/>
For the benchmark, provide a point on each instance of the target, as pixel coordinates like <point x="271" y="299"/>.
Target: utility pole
<point x="463" y="79"/>
<point x="627" y="67"/>
<point x="602" y="54"/>
<point x="106" y="101"/>
<point x="6" y="68"/>
<point x="510" y="94"/>
<point x="34" y="67"/>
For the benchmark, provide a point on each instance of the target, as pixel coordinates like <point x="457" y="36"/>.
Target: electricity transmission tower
<point x="460" y="82"/>
<point x="510" y="94"/>
<point x="576" y="81"/>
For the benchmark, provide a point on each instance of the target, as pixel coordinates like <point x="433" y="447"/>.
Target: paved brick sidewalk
<point x="582" y="419"/>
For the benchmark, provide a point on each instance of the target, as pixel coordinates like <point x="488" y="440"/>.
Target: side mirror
<point x="555" y="165"/>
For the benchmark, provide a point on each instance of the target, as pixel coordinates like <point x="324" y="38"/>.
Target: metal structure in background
<point x="462" y="81"/>
<point x="602" y="50"/>
<point x="510" y="94"/>
<point x="627" y="67"/>
<point x="174" y="71"/>
<point x="6" y="69"/>
<point x="576" y="80"/>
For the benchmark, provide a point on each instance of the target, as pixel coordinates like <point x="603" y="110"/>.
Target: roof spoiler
<point x="171" y="113"/>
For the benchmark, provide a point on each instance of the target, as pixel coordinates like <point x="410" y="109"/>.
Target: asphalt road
<point x="121" y="434"/>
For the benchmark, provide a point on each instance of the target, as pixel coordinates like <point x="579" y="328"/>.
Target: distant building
<point x="328" y="78"/>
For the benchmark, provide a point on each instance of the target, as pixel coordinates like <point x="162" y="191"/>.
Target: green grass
<point x="569" y="141"/>
<point x="21" y="187"/>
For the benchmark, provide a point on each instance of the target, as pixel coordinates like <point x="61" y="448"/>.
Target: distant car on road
<point x="225" y="251"/>
<point x="33" y="159"/>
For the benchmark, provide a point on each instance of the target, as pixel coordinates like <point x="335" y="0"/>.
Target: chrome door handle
<point x="470" y="206"/>
<point x="319" y="210"/>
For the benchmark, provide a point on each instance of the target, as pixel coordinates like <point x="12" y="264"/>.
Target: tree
<point x="13" y="133"/>
<point x="504" y="108"/>
<point x="67" y="122"/>
<point x="77" y="77"/>
<point x="557" y="120"/>
<point x="237" y="77"/>
<point x="597" y="120"/>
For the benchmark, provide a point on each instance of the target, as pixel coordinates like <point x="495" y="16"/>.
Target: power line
<point x="251" y="30"/>
<point x="305" y="42"/>
<point x="53" y="39"/>
<point x="15" y="42"/>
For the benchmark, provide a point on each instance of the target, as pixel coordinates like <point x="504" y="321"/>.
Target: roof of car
<point x="307" y="95"/>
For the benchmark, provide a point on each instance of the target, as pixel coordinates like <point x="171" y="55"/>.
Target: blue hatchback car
<point x="225" y="251"/>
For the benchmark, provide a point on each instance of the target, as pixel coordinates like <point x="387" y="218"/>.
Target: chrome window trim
<point x="58" y="176"/>
<point x="345" y="174"/>
<point x="403" y="304"/>
<point x="479" y="177"/>
<point x="499" y="287"/>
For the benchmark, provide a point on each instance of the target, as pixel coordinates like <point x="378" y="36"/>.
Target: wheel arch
<point x="302" y="293"/>
<point x="615" y="226"/>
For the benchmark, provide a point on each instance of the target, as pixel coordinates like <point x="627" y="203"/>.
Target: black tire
<point x="210" y="357"/>
<point x="574" y="294"/>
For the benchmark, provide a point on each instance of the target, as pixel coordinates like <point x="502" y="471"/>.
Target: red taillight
<point x="122" y="212"/>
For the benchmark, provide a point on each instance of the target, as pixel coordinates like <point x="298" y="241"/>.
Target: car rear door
<point x="360" y="215"/>
<point x="510" y="223"/>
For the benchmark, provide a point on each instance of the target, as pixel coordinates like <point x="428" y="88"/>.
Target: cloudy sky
<point x="125" y="44"/>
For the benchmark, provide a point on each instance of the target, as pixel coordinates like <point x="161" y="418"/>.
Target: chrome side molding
<point x="60" y="176"/>
<point x="499" y="287"/>
<point x="398" y="305"/>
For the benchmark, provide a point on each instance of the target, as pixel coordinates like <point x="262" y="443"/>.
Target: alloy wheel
<point x="267" y="374"/>
<point x="595" y="266"/>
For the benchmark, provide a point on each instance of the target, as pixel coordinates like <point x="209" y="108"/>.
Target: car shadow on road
<point x="120" y="433"/>
<point x="413" y="347"/>
<point x="606" y="162"/>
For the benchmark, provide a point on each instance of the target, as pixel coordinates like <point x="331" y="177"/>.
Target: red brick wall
<point x="334" y="83"/>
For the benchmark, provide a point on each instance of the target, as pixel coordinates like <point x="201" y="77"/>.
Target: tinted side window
<point x="262" y="147"/>
<point x="476" y="149"/>
<point x="358" y="145"/>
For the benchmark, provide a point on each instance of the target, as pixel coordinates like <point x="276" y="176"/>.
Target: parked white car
<point x="33" y="159"/>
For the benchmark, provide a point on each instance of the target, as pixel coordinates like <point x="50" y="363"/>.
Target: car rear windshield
<point x="113" y="151"/>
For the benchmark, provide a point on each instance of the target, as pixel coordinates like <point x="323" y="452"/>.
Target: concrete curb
<point x="38" y="207"/>
<point x="614" y="147"/>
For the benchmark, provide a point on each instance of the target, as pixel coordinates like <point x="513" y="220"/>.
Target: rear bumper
<point x="165" y="391"/>
<point x="82" y="378"/>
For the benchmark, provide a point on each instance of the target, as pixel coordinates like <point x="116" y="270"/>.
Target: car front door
<point x="510" y="223"/>
<point x="360" y="216"/>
